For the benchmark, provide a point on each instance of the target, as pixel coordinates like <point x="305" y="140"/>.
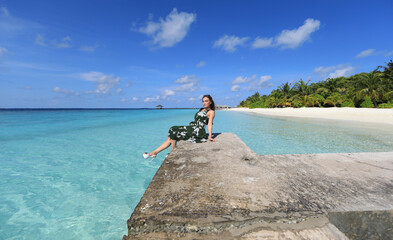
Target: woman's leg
<point x="173" y="143"/>
<point x="163" y="146"/>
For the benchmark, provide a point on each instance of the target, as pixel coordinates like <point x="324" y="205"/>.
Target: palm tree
<point x="302" y="87"/>
<point x="310" y="101"/>
<point x="285" y="90"/>
<point x="319" y="99"/>
<point x="322" y="91"/>
<point x="388" y="72"/>
<point x="333" y="99"/>
<point x="253" y="98"/>
<point x="274" y="102"/>
<point x="387" y="79"/>
<point x="370" y="85"/>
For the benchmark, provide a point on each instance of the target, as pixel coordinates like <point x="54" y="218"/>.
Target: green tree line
<point x="369" y="90"/>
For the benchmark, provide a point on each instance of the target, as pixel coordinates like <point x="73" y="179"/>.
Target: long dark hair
<point x="212" y="106"/>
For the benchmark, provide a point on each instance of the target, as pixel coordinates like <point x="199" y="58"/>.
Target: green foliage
<point x="297" y="103"/>
<point x="348" y="103"/>
<point x="371" y="85"/>
<point x="251" y="99"/>
<point x="302" y="88"/>
<point x="387" y="75"/>
<point x="284" y="90"/>
<point x="367" y="103"/>
<point x="310" y="101"/>
<point x="272" y="102"/>
<point x="319" y="100"/>
<point x="354" y="91"/>
<point x="322" y="91"/>
<point x="333" y="99"/>
<point x="385" y="105"/>
<point x="259" y="104"/>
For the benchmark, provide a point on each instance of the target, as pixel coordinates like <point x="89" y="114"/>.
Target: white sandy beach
<point x="368" y="115"/>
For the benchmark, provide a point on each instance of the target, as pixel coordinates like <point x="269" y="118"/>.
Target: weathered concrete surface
<point x="223" y="190"/>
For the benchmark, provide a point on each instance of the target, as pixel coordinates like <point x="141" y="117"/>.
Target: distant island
<point x="365" y="90"/>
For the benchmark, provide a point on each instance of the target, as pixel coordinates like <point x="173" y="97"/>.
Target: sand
<point x="367" y="115"/>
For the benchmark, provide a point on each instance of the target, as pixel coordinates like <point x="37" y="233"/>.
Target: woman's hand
<point x="212" y="139"/>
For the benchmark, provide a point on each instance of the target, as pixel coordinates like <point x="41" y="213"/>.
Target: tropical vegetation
<point x="366" y="90"/>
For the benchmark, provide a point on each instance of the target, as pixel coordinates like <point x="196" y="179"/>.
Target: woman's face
<point x="206" y="102"/>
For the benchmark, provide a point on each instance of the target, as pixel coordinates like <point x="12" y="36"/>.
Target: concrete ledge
<point x="223" y="190"/>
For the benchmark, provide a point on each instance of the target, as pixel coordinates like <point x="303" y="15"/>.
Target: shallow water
<point x="79" y="174"/>
<point x="280" y="135"/>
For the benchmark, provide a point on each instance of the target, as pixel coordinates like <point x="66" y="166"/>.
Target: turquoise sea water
<point x="78" y="174"/>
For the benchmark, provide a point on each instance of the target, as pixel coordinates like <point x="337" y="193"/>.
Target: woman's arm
<point x="210" y="115"/>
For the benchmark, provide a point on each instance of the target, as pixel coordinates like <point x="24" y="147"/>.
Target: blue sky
<point x="131" y="54"/>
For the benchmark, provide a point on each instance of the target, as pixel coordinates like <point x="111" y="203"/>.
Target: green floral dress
<point x="195" y="132"/>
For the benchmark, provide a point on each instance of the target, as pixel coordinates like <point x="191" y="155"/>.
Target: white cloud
<point x="261" y="83"/>
<point x="255" y="82"/>
<point x="167" y="93"/>
<point x="119" y="90"/>
<point x="262" y="42"/>
<point x="3" y="51"/>
<point x="240" y="79"/>
<point x="187" y="87"/>
<point x="230" y="43"/>
<point x="324" y="70"/>
<point x="201" y="64"/>
<point x="123" y="100"/>
<point x="103" y="83"/>
<point x="171" y="30"/>
<point x="186" y="79"/>
<point x="289" y="38"/>
<point x="366" y="53"/>
<point x="151" y="99"/>
<point x="344" y="72"/>
<point x="186" y="83"/>
<point x="65" y="42"/>
<point x="334" y="71"/>
<point x="89" y="49"/>
<point x="295" y="37"/>
<point x="27" y="87"/>
<point x="235" y="88"/>
<point x="60" y="90"/>
<point x="192" y="99"/>
<point x="65" y="91"/>
<point x="135" y="99"/>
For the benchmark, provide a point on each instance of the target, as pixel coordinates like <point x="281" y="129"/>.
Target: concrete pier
<point x="223" y="190"/>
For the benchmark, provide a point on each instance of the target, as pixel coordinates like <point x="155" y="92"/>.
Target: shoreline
<point x="365" y="115"/>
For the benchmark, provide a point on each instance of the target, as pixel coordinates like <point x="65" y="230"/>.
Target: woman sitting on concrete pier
<point x="194" y="132"/>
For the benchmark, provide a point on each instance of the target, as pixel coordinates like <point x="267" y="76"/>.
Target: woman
<point x="195" y="132"/>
